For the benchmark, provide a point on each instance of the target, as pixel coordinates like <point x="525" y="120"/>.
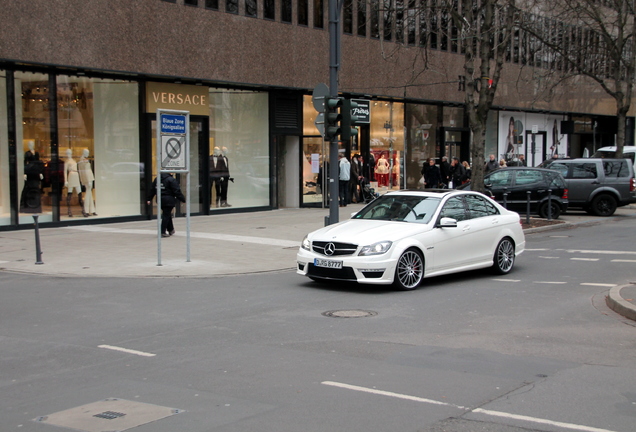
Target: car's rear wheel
<point x="604" y="205"/>
<point x="409" y="271"/>
<point x="504" y="257"/>
<point x="545" y="206"/>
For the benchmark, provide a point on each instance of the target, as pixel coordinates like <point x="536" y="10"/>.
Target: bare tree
<point x="591" y="38"/>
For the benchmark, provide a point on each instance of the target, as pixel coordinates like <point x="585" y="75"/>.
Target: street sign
<point x="320" y="93"/>
<point x="174" y="141"/>
<point x="363" y="111"/>
<point x="320" y="123"/>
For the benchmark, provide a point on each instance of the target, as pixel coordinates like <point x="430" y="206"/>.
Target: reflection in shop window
<point x="5" y="202"/>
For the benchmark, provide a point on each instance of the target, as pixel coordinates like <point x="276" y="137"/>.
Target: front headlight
<point x="376" y="248"/>
<point x="306" y="244"/>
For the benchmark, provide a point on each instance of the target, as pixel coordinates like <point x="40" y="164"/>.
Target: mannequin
<point x="87" y="178"/>
<point x="219" y="177"/>
<point x="382" y="171"/>
<point x="71" y="181"/>
<point x="30" y="199"/>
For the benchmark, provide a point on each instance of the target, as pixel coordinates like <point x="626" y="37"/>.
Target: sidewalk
<point x="220" y="245"/>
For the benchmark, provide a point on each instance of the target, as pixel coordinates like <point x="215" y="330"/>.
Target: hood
<point x="360" y="231"/>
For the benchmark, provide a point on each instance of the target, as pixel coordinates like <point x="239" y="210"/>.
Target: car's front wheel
<point x="604" y="205"/>
<point x="409" y="271"/>
<point x="504" y="257"/>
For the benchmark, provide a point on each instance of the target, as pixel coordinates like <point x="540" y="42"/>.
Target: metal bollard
<point x="528" y="208"/>
<point x="326" y="220"/>
<point x="38" y="251"/>
<point x="505" y="199"/>
<point x="549" y="204"/>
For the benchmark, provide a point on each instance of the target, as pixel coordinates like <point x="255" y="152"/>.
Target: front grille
<point x="340" y="248"/>
<point x="345" y="273"/>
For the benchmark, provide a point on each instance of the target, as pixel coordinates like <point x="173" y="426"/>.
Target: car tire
<point x="409" y="270"/>
<point x="604" y="205"/>
<point x="556" y="209"/>
<point x="504" y="257"/>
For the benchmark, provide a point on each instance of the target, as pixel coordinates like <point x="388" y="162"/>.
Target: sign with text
<point x="168" y="96"/>
<point x="363" y="111"/>
<point x="173" y="137"/>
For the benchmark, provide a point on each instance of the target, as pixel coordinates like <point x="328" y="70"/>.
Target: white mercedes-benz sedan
<point x="405" y="236"/>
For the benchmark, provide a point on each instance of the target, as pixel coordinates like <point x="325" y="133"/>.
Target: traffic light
<point x="349" y="120"/>
<point x="333" y="116"/>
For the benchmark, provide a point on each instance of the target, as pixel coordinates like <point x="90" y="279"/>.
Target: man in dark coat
<point x="458" y="172"/>
<point x="492" y="164"/>
<point x="170" y="193"/>
<point x="444" y="168"/>
<point x="432" y="175"/>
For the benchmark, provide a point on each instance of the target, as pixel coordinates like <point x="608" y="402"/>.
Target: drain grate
<point x="109" y="415"/>
<point x="349" y="313"/>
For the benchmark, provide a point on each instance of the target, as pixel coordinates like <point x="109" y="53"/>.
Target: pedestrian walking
<point x="170" y="193"/>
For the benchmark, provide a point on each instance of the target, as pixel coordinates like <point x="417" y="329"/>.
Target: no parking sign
<point x="174" y="140"/>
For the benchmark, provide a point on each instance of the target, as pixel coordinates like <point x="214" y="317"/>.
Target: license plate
<point x="327" y="263"/>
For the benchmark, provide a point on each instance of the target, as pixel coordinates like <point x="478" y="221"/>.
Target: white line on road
<point x="599" y="284"/>
<point x="601" y="252"/>
<point x="549" y="282"/>
<point x="475" y="410"/>
<point x="539" y="420"/>
<point x="620" y="260"/>
<point x="507" y="280"/>
<point x="126" y="350"/>
<point x="535" y="250"/>
<point x="584" y="259"/>
<point x="548" y="257"/>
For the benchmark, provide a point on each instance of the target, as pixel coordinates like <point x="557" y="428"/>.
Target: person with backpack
<point x="170" y="193"/>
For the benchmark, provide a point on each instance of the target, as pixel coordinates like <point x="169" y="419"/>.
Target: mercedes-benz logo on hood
<point x="330" y="248"/>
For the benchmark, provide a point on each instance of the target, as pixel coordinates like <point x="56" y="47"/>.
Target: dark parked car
<point x="514" y="183"/>
<point x="597" y="185"/>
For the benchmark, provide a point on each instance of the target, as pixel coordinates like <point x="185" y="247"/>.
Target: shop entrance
<point x="536" y="149"/>
<point x="314" y="172"/>
<point x="456" y="144"/>
<point x="199" y="181"/>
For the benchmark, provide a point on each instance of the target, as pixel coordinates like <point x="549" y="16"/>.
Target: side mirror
<point x="447" y="222"/>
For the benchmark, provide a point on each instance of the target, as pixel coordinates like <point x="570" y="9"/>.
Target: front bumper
<point x="374" y="269"/>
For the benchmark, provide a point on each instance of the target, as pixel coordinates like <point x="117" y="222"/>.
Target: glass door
<point x="314" y="169"/>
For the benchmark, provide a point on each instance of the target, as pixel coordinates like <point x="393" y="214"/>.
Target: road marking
<point x="126" y="350"/>
<point x="547" y="257"/>
<point x="535" y="250"/>
<point x="390" y="394"/>
<point x="620" y="260"/>
<point x="539" y="420"/>
<point x="549" y="282"/>
<point x="584" y="259"/>
<point x="473" y="410"/>
<point x="599" y="284"/>
<point x="600" y="252"/>
<point x="507" y="280"/>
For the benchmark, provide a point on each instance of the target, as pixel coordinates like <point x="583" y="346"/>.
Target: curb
<point x="619" y="305"/>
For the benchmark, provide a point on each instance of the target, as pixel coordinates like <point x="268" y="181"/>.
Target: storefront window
<point x="239" y="149"/>
<point x="315" y="149"/>
<point x="98" y="130"/>
<point x="421" y="140"/>
<point x="33" y="141"/>
<point x="453" y="117"/>
<point x="387" y="145"/>
<point x="5" y="202"/>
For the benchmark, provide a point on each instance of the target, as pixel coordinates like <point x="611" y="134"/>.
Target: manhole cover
<point x="349" y="313"/>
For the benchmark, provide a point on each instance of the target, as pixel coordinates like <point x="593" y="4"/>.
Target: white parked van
<point x="610" y="152"/>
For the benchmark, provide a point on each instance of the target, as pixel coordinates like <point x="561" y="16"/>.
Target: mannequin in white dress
<point x="71" y="181"/>
<point x="87" y="178"/>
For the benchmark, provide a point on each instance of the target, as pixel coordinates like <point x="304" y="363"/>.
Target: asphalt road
<point x="534" y="350"/>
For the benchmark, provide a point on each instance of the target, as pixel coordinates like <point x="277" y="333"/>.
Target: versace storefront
<point x="78" y="148"/>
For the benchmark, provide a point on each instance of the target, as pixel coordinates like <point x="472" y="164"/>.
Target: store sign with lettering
<point x="363" y="111"/>
<point x="190" y="98"/>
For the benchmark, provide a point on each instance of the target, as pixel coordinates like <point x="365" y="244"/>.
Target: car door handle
<point x="466" y="228"/>
<point x="495" y="221"/>
<point x="596" y="182"/>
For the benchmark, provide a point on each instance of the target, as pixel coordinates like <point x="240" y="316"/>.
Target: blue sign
<point x="173" y="124"/>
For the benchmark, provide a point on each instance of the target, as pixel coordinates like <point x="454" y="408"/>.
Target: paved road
<point x="535" y="350"/>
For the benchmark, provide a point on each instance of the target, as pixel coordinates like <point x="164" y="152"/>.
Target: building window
<point x="212" y="4"/>
<point x="399" y="21"/>
<point x="347" y="17"/>
<point x="231" y="6"/>
<point x="191" y="2"/>
<point x="388" y="20"/>
<point x="250" y="8"/>
<point x="319" y="14"/>
<point x="269" y="9"/>
<point x="303" y="12"/>
<point x="410" y="23"/>
<point x="362" y="18"/>
<point x="286" y="11"/>
<point x="375" y="19"/>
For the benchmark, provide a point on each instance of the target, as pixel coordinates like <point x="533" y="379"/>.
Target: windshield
<point x="402" y="208"/>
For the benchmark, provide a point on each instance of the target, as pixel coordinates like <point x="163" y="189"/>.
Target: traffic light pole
<point x="334" y="65"/>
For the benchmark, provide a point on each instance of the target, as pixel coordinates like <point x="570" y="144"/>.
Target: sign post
<point x="173" y="156"/>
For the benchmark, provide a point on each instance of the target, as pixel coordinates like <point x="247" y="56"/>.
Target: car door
<point x="451" y="248"/>
<point x="498" y="182"/>
<point x="526" y="180"/>
<point x="484" y="227"/>
<point x="582" y="180"/>
<point x="618" y="176"/>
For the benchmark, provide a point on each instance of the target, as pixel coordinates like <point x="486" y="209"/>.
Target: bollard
<point x="505" y="198"/>
<point x="326" y="220"/>
<point x="528" y="208"/>
<point x="38" y="251"/>
<point x="549" y="204"/>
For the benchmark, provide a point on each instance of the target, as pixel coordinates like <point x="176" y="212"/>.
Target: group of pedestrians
<point x="350" y="175"/>
<point x="446" y="175"/>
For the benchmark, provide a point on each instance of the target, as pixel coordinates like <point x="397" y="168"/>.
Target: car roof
<point x="613" y="148"/>
<point x="440" y="193"/>
<point x="518" y="168"/>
